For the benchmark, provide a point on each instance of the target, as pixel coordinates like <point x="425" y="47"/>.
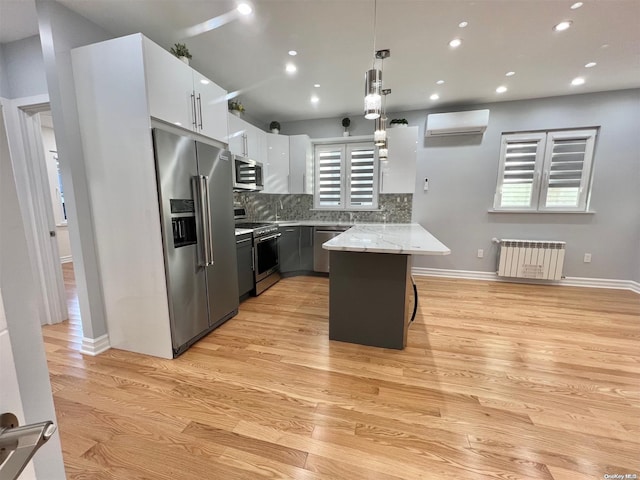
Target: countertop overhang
<point x="397" y="238"/>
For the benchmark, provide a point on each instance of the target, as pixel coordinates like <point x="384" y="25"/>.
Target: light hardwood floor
<point x="499" y="380"/>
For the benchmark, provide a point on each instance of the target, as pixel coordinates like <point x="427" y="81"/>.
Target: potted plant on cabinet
<point x="236" y="108"/>
<point x="346" y="122"/>
<point x="181" y="51"/>
<point x="274" y="127"/>
<point x="399" y="122"/>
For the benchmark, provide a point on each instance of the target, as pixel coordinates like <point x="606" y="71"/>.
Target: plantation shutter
<point x="518" y="181"/>
<point x="568" y="168"/>
<point x="329" y="160"/>
<point x="362" y="175"/>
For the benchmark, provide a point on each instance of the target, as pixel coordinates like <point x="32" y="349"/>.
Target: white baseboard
<point x="66" y="259"/>
<point x="95" y="346"/>
<point x="493" y="277"/>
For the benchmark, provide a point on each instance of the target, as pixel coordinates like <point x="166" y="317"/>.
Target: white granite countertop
<point x="241" y="231"/>
<point x="399" y="238"/>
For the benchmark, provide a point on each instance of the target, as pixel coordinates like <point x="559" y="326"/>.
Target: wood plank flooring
<point x="499" y="381"/>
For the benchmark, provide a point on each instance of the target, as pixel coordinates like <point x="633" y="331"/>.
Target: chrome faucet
<point x="281" y="208"/>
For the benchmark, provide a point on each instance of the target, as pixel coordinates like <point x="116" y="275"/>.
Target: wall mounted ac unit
<point x="457" y="123"/>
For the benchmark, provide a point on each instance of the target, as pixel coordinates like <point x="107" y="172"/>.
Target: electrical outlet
<point x="587" y="258"/>
<point x="480" y="253"/>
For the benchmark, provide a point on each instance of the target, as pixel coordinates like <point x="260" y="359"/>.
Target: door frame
<point x="24" y="135"/>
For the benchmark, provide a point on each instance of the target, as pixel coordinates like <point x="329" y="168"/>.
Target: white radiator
<point x="531" y="259"/>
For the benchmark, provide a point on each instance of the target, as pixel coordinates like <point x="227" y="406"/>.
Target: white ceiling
<point x="334" y="39"/>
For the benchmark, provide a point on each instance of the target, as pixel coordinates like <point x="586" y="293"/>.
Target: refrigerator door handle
<point x="204" y="181"/>
<point x="201" y="231"/>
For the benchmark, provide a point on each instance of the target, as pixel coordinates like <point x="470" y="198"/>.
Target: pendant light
<point x="373" y="80"/>
<point x="380" y="133"/>
<point x="383" y="151"/>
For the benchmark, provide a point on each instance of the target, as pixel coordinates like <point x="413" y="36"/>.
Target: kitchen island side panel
<point x="369" y="298"/>
<point x="116" y="137"/>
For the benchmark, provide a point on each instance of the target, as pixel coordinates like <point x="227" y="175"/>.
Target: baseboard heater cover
<point x="537" y="259"/>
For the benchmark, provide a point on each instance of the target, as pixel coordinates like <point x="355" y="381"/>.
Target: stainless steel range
<point x="266" y="261"/>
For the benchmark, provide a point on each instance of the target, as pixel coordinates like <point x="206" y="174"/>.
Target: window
<point x="346" y="177"/>
<point x="545" y="171"/>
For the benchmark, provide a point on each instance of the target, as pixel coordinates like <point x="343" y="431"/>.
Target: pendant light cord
<point x="375" y="12"/>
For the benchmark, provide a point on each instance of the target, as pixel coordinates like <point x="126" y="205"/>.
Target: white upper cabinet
<point x="300" y="164"/>
<point x="211" y="104"/>
<point x="179" y="95"/>
<point x="169" y="86"/>
<point x="398" y="173"/>
<point x="246" y="140"/>
<point x="277" y="167"/>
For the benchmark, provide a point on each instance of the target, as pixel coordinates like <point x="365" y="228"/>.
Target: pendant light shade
<point x="372" y="96"/>
<point x="383" y="151"/>
<point x="380" y="133"/>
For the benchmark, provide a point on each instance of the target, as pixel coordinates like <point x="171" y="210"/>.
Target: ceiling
<point x="334" y="40"/>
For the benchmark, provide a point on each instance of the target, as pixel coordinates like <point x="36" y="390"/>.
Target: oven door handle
<point x="270" y="237"/>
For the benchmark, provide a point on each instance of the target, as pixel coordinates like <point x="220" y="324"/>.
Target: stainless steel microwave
<point x="247" y="174"/>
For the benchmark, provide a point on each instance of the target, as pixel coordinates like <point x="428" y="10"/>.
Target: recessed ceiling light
<point x="563" y="26"/>
<point x="291" y="68"/>
<point x="576" y="5"/>
<point x="314" y="99"/>
<point x="590" y="65"/>
<point x="293" y="53"/>
<point x="577" y="81"/>
<point x="244" y="8"/>
<point x="463" y="24"/>
<point x="604" y="45"/>
<point x="509" y="74"/>
<point x="439" y="82"/>
<point x="501" y="89"/>
<point x="435" y="96"/>
<point x="316" y="85"/>
<point x="455" y="43"/>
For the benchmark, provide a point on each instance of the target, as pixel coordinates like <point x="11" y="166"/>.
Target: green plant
<point x="399" y="121"/>
<point x="274" y="125"/>
<point x="346" y="121"/>
<point x="181" y="50"/>
<point x="236" y="105"/>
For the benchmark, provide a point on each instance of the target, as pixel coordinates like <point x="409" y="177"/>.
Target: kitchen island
<point x="370" y="283"/>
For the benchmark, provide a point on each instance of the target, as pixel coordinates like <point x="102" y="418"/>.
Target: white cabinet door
<point x="300" y="164"/>
<point x="169" y="86"/>
<point x="211" y="103"/>
<point x="255" y="139"/>
<point x="398" y="173"/>
<point x="277" y="178"/>
<point x="236" y="138"/>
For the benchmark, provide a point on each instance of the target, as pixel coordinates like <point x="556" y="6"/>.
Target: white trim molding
<point x="493" y="277"/>
<point x="95" y="346"/>
<point x="66" y="259"/>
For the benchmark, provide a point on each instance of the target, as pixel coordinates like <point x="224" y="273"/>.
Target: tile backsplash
<point x="394" y="208"/>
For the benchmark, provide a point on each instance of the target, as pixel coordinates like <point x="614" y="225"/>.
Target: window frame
<point x="544" y="156"/>
<point x="345" y="149"/>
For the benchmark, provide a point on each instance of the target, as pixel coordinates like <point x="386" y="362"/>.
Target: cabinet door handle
<point x="245" y="145"/>
<point x="304" y="183"/>
<point x="200" y="109"/>
<point x="193" y="105"/>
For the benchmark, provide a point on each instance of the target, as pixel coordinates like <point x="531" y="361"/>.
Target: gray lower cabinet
<point x="244" y="249"/>
<point x="289" y="249"/>
<point x="296" y="249"/>
<point x="306" y="249"/>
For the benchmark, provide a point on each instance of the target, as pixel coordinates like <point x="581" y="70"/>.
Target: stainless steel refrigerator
<point x="196" y="209"/>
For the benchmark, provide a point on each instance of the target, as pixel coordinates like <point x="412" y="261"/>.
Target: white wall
<point x="60" y="31"/>
<point x="62" y="229"/>
<point x="4" y="83"/>
<point x="462" y="177"/>
<point x="23" y="309"/>
<point x="24" y="68"/>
